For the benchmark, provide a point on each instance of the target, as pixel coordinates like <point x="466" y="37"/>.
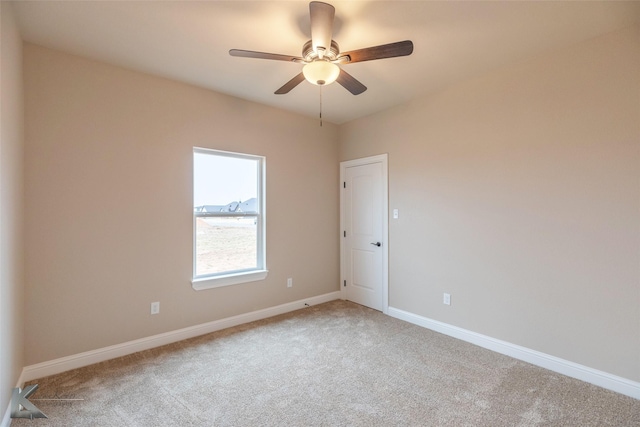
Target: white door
<point x="364" y="245"/>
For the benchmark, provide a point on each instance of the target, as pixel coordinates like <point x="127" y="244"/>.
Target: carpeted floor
<point x="335" y="364"/>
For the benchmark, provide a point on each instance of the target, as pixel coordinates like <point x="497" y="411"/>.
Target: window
<point x="228" y="218"/>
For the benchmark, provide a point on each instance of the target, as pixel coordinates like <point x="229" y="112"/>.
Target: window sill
<point x="229" y="279"/>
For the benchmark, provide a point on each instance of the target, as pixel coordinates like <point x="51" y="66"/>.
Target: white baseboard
<point x="561" y="366"/>
<point x="67" y="363"/>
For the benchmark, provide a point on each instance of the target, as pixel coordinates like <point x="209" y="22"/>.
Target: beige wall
<point x="11" y="238"/>
<point x="108" y="176"/>
<point x="519" y="194"/>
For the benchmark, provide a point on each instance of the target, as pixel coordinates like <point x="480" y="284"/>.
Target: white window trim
<point x="237" y="277"/>
<point x="228" y="279"/>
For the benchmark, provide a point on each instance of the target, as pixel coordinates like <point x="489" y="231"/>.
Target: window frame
<point x="233" y="277"/>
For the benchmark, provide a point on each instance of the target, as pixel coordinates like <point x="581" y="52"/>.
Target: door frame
<point x="383" y="159"/>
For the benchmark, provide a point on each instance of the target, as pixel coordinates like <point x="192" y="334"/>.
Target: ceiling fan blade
<point x="390" y="50"/>
<point x="263" y="55"/>
<point x="322" y="15"/>
<point x="290" y="84"/>
<point x="348" y="82"/>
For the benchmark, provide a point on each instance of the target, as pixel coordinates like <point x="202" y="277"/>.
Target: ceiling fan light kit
<point x="321" y="72"/>
<point x="321" y="55"/>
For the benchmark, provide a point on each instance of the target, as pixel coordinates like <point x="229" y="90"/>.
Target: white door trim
<point x="383" y="159"/>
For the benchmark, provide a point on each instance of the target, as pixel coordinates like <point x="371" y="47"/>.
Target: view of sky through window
<point x="219" y="180"/>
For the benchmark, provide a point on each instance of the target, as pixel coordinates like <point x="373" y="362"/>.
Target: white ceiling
<point x="189" y="41"/>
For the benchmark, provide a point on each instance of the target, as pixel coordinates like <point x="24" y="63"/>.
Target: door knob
<point x="377" y="244"/>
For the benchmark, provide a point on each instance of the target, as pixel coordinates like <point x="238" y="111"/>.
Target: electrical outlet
<point x="155" y="307"/>
<point x="446" y="299"/>
<point x="289" y="282"/>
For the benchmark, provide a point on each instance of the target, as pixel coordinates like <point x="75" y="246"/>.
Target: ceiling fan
<point x="321" y="55"/>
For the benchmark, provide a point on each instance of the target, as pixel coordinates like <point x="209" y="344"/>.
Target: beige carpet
<point x="335" y="364"/>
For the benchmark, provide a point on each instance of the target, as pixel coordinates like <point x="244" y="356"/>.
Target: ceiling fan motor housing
<point x="311" y="55"/>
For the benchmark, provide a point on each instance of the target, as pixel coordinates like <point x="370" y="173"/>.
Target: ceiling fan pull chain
<point x="321" y="106"/>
